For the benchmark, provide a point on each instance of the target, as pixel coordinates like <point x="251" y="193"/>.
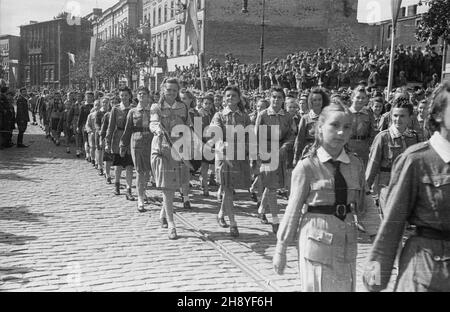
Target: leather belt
<point x="356" y="137"/>
<point x="384" y="169"/>
<point x="430" y="233"/>
<point x="140" y="129"/>
<point x="340" y="211"/>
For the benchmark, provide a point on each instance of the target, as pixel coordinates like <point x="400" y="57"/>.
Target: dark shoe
<point x="57" y="142"/>
<point x="163" y="222"/>
<point x="100" y="172"/>
<point x="21" y="145"/>
<point x="206" y="193"/>
<point x="275" y="227"/>
<point x="254" y="197"/>
<point x="212" y="182"/>
<point x="117" y="191"/>
<point x="173" y="233"/>
<point x="222" y="222"/>
<point x="68" y="150"/>
<point x="108" y="180"/>
<point x="263" y="218"/>
<point x="234" y="231"/>
<point x="187" y="205"/>
<point x="129" y="196"/>
<point x="78" y="154"/>
<point x="141" y="208"/>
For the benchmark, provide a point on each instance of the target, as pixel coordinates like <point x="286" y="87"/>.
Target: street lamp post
<point x="395" y="8"/>
<point x="261" y="60"/>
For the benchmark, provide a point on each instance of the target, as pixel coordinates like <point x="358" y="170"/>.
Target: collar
<point x="227" y="111"/>
<point x="441" y="146"/>
<point x="362" y="111"/>
<point x="393" y="131"/>
<point x="270" y="111"/>
<point x="312" y="115"/>
<point x="323" y="156"/>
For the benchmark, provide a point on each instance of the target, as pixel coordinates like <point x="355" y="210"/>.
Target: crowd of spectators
<point x="329" y="68"/>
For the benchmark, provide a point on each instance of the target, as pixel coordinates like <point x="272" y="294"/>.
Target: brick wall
<point x="243" y="41"/>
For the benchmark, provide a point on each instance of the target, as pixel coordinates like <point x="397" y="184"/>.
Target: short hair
<point x="142" y="88"/>
<point x="439" y="102"/>
<point x="126" y="89"/>
<point x="402" y="101"/>
<point x="279" y="90"/>
<point x="22" y="89"/>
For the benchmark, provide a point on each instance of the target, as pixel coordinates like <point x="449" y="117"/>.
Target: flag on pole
<point x="191" y="25"/>
<point x="91" y="56"/>
<point x="395" y="9"/>
<point x="71" y="57"/>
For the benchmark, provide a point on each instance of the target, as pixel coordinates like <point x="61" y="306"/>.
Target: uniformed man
<point x="22" y="116"/>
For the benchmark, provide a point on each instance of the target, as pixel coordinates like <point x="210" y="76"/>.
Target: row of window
<point x="399" y="26"/>
<point x="113" y="30"/>
<point x="49" y="75"/>
<point x="162" y="14"/>
<point x="159" y="42"/>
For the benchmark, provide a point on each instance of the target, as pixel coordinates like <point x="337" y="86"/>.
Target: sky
<point x="14" y="13"/>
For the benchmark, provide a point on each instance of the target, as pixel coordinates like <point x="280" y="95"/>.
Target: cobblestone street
<point x="62" y="229"/>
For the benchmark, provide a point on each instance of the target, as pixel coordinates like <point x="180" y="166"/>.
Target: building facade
<point x="44" y="59"/>
<point x="9" y="59"/>
<point x="112" y="20"/>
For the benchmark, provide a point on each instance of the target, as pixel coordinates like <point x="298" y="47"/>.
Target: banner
<point x="91" y="56"/>
<point x="71" y="57"/>
<point x="192" y="30"/>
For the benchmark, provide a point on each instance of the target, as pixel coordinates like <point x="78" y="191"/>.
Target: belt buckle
<point x="341" y="211"/>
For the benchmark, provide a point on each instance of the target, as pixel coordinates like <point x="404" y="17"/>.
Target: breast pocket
<point x="436" y="187"/>
<point x="392" y="152"/>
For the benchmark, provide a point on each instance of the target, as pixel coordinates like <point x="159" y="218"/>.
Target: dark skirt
<point x="122" y="161"/>
<point x="107" y="156"/>
<point x="54" y="124"/>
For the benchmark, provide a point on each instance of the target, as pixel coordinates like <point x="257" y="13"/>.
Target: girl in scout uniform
<point x="388" y="145"/>
<point x="90" y="130"/>
<point x="170" y="173"/>
<point x="419" y="194"/>
<point x="273" y="178"/>
<point x="65" y="126"/>
<point x="232" y="173"/>
<point x="137" y="140"/>
<point x="207" y="112"/>
<point x="363" y="130"/>
<point x="107" y="157"/>
<point x="317" y="100"/>
<point x="377" y="107"/>
<point x="55" y="116"/>
<point x="99" y="152"/>
<point x="422" y="112"/>
<point x="115" y="130"/>
<point x="73" y="119"/>
<point x="328" y="189"/>
<point x="256" y="189"/>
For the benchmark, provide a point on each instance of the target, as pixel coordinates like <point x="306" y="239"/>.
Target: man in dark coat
<point x="7" y="116"/>
<point x="22" y="116"/>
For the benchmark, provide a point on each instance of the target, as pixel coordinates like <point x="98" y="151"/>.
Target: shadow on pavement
<point x="12" y="239"/>
<point x="16" y="177"/>
<point x="20" y="213"/>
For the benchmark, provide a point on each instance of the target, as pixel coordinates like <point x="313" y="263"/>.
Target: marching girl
<point x="115" y="130"/>
<point x="231" y="173"/>
<point x="422" y="115"/>
<point x="85" y="110"/>
<point x="377" y="107"/>
<point x="317" y="100"/>
<point x="363" y="127"/>
<point x="273" y="178"/>
<point x="329" y="182"/>
<point x="137" y="140"/>
<point x="55" y="116"/>
<point x="170" y="173"/>
<point x="107" y="157"/>
<point x="256" y="190"/>
<point x="90" y="130"/>
<point x="73" y="120"/>
<point x="207" y="112"/>
<point x="99" y="152"/>
<point x="65" y="126"/>
<point x="190" y="101"/>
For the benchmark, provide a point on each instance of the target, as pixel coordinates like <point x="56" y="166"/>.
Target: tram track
<point x="264" y="282"/>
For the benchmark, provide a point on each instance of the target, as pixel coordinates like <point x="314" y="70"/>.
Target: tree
<point x="79" y="72"/>
<point x="123" y="55"/>
<point x="435" y="23"/>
